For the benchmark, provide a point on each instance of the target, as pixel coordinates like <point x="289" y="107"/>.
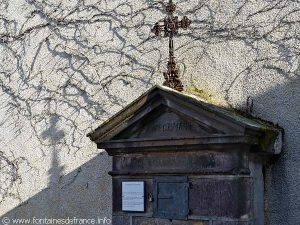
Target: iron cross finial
<point x="170" y="28"/>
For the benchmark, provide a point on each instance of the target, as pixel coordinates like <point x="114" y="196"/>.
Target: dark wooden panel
<point x="153" y="221"/>
<point x="221" y="197"/>
<point x="182" y="162"/>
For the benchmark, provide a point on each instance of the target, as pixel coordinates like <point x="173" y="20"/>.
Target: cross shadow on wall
<point x="83" y="193"/>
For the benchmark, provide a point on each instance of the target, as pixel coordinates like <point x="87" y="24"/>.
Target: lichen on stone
<point x="205" y="95"/>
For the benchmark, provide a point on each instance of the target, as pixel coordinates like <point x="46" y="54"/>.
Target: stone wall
<point x="67" y="66"/>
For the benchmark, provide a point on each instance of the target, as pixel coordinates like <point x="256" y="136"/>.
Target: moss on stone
<point x="270" y="136"/>
<point x="201" y="93"/>
<point x="269" y="130"/>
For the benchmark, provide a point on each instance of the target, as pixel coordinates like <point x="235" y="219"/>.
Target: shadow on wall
<point x="84" y="193"/>
<point x="281" y="105"/>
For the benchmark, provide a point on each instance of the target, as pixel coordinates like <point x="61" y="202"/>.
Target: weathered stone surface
<point x="184" y="162"/>
<point x="121" y="220"/>
<point x="231" y="223"/>
<point x="221" y="197"/>
<point x="168" y="124"/>
<point x="148" y="221"/>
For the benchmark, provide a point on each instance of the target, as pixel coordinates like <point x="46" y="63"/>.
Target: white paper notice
<point x="133" y="196"/>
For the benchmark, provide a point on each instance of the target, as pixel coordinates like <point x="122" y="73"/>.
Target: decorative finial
<point x="170" y="28"/>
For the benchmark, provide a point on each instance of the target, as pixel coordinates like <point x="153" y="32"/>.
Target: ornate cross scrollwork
<point x="170" y="28"/>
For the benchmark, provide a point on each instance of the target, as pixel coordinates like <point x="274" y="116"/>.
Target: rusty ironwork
<point x="170" y="28"/>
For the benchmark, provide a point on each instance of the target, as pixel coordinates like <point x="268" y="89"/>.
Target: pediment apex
<point x="186" y="107"/>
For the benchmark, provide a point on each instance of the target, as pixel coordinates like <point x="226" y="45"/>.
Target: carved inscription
<point x="200" y="162"/>
<point x="172" y="126"/>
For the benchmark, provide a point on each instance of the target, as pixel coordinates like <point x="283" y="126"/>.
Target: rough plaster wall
<point x="66" y="66"/>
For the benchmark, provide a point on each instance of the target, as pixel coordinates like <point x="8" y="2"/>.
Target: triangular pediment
<point x="163" y="117"/>
<point x="164" y="122"/>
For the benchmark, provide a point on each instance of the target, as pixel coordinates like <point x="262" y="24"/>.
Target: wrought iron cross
<point x="170" y="28"/>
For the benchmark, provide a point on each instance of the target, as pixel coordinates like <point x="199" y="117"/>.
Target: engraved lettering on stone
<point x="172" y="126"/>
